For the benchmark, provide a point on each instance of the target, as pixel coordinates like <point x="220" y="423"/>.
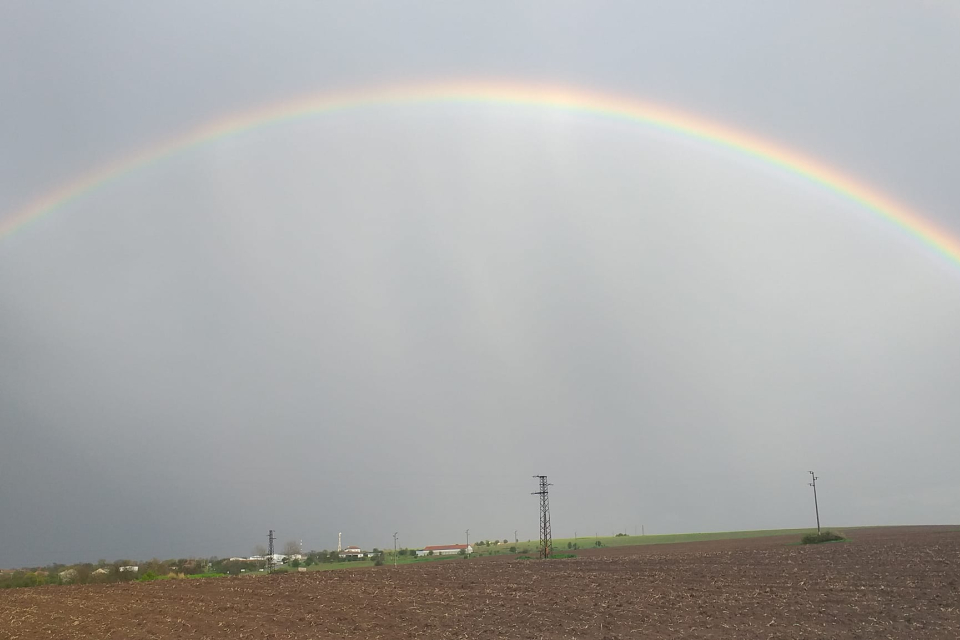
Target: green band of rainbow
<point x="501" y="94"/>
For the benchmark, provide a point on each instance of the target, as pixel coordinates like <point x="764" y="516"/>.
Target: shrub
<point x="817" y="538"/>
<point x="148" y="576"/>
<point x="378" y="562"/>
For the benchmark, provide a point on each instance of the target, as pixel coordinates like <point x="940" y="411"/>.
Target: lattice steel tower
<point x="546" y="539"/>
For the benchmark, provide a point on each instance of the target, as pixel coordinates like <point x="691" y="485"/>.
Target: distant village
<point x="292" y="558"/>
<point x="356" y="553"/>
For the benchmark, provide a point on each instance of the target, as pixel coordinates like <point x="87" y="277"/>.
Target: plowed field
<point x="885" y="583"/>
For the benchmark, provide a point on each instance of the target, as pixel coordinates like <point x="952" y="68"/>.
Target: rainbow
<point x="563" y="99"/>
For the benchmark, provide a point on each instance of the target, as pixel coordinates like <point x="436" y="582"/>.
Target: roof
<point x="443" y="547"/>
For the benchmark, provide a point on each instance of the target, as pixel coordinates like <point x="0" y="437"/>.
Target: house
<point x="102" y="571"/>
<point x="352" y="552"/>
<point x="133" y="568"/>
<point x="445" y="550"/>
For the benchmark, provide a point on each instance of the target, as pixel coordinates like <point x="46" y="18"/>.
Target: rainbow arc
<point x="507" y="95"/>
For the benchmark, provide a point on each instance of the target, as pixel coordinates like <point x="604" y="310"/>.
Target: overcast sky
<point x="388" y="319"/>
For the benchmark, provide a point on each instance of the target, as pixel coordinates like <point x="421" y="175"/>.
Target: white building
<point x="445" y="550"/>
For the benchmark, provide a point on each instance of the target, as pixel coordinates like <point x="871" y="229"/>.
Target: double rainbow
<point x="570" y="100"/>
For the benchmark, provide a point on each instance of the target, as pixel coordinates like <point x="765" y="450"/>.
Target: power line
<point x="270" y="558"/>
<point x="815" y="505"/>
<point x="546" y="539"/>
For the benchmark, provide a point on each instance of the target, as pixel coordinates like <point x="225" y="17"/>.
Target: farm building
<point x="445" y="549"/>
<point x="353" y="552"/>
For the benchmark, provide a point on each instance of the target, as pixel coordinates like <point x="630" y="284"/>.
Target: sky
<point x="387" y="319"/>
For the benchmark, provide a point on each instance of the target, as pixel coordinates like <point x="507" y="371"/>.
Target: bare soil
<point x="901" y="582"/>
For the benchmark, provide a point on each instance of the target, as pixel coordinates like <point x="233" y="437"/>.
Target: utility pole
<point x="339" y="538"/>
<point x="516" y="540"/>
<point x="394" y="549"/>
<point x="815" y="505"/>
<point x="546" y="539"/>
<point x="468" y="537"/>
<point x="270" y="540"/>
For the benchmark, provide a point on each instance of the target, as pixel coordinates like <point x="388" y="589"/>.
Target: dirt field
<point x="887" y="583"/>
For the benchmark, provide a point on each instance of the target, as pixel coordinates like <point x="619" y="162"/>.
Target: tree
<point x="291" y="547"/>
<point x="259" y="550"/>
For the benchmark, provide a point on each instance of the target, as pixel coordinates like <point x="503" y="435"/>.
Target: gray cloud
<point x="390" y="318"/>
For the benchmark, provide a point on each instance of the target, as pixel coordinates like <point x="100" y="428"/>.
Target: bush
<point x="378" y="562"/>
<point x="148" y="576"/>
<point x="513" y="549"/>
<point x="817" y="538"/>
